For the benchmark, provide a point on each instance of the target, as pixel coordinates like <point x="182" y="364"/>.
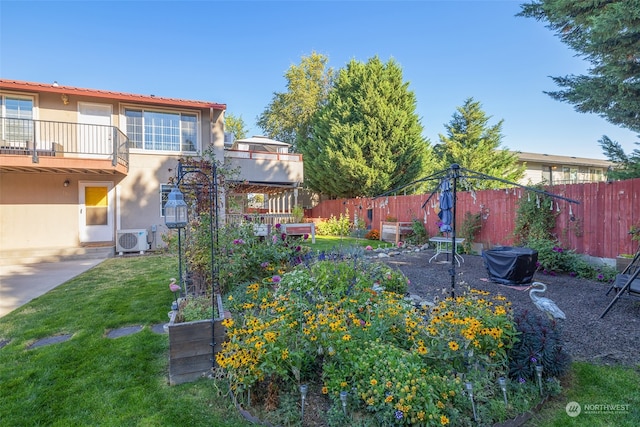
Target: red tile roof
<point x="120" y="96"/>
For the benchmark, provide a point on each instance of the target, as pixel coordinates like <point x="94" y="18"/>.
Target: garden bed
<point x="190" y="355"/>
<point x="611" y="340"/>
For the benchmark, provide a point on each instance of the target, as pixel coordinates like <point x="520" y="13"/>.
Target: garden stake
<point x="469" y="387"/>
<point x="539" y="373"/>
<point x="343" y="398"/>
<point x="502" y="381"/>
<point x="303" y="395"/>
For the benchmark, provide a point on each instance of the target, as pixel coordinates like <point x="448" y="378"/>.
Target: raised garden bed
<point x="190" y="354"/>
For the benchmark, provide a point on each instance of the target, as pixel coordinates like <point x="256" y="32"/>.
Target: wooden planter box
<point x="394" y="231"/>
<point x="190" y="354"/>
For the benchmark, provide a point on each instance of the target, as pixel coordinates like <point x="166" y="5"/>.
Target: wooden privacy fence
<point x="598" y="226"/>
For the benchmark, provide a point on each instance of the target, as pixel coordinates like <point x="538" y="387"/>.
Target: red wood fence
<point x="598" y="226"/>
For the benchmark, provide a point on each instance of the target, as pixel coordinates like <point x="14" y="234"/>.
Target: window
<point x="16" y="127"/>
<point x="165" y="189"/>
<point x="162" y="130"/>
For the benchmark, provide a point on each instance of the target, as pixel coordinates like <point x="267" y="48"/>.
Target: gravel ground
<point x="612" y="340"/>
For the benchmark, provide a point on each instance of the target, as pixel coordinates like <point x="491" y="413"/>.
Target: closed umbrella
<point x="446" y="204"/>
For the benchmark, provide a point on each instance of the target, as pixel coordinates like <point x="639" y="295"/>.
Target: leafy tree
<point x="287" y="118"/>
<point x="607" y="34"/>
<point x="367" y="139"/>
<point x="627" y="166"/>
<point x="235" y="125"/>
<point x="474" y="145"/>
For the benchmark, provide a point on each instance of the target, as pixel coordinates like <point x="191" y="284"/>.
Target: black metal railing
<point x="37" y="138"/>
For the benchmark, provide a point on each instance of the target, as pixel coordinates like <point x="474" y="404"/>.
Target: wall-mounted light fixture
<point x="65" y="98"/>
<point x="66" y="183"/>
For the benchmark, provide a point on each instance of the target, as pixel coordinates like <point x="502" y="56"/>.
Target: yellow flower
<point x="343" y="384"/>
<point x="346" y="337"/>
<point x="389" y="399"/>
<point x="444" y="420"/>
<point x="373" y="382"/>
<point x="325" y="390"/>
<point x="227" y="323"/>
<point x="453" y="345"/>
<point x="285" y="354"/>
<point x="230" y="298"/>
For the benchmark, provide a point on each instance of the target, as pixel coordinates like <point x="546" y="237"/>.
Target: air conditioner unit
<point x="131" y="241"/>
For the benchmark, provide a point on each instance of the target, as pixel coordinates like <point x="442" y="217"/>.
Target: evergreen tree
<point x="627" y="166"/>
<point x="474" y="145"/>
<point x="367" y="139"/>
<point x="607" y="34"/>
<point x="287" y="118"/>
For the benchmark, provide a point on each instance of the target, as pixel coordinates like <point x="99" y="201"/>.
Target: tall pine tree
<point x="367" y="139"/>
<point x="475" y="145"/>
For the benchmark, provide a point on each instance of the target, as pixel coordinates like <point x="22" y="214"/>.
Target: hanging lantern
<point x="175" y="210"/>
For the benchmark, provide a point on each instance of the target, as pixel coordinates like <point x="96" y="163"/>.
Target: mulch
<point x="612" y="340"/>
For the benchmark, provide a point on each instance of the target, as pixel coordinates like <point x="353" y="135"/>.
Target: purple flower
<point x="522" y="380"/>
<point x="305" y="237"/>
<point x="573" y="274"/>
<point x="600" y="276"/>
<point x="238" y="242"/>
<point x="399" y="414"/>
<point x="533" y="360"/>
<point x="276" y="279"/>
<point x="274" y="238"/>
<point x="264" y="264"/>
<point x="278" y="226"/>
<point x="283" y="236"/>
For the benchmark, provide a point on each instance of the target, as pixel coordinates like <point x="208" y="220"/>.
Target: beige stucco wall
<point x="38" y="212"/>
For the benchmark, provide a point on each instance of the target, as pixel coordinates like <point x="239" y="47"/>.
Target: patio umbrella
<point x="446" y="204"/>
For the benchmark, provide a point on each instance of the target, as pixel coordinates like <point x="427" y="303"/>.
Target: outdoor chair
<point x="627" y="282"/>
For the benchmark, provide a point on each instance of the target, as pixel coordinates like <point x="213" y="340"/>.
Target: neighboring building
<point x="553" y="170"/>
<point x="84" y="168"/>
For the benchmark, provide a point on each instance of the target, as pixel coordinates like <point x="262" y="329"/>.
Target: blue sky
<point x="237" y="53"/>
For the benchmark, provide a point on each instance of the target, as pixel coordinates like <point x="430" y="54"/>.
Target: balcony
<point x="37" y="145"/>
<point x="264" y="168"/>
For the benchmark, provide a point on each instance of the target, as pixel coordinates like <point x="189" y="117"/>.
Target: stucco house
<point x="85" y="170"/>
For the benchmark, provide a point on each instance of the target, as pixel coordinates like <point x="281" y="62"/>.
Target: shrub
<point x="195" y="308"/>
<point x="554" y="259"/>
<point x="469" y="229"/>
<point x="373" y="234"/>
<point x="540" y="343"/>
<point x="334" y="226"/>
<point x="418" y="234"/>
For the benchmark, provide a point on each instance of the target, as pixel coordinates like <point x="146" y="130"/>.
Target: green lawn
<point x="326" y="243"/>
<point x="94" y="380"/>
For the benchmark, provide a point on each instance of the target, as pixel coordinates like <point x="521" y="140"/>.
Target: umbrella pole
<point x="452" y="271"/>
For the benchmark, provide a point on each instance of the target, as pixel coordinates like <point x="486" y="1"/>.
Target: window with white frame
<point x="162" y="130"/>
<point x="165" y="189"/>
<point x="16" y="126"/>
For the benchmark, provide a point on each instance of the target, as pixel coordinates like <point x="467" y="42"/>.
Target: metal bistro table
<point x="443" y="246"/>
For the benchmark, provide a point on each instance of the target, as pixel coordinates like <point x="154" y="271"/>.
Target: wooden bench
<point x="300" y="229"/>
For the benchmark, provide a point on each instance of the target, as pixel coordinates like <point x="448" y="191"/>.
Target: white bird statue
<point x="545" y="304"/>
